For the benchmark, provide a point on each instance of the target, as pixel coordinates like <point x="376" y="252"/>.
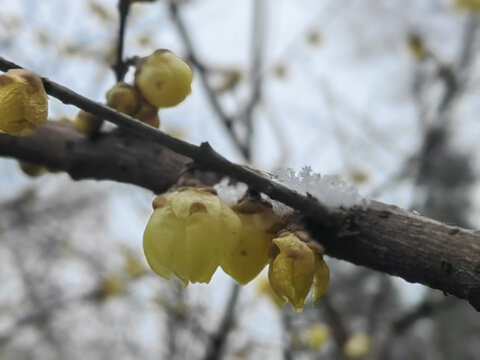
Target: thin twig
<point x="204" y="155"/>
<point x="404" y="322"/>
<point x="226" y="120"/>
<point x="216" y="345"/>
<point x="121" y="67"/>
<point x="256" y="69"/>
<point x="287" y="328"/>
<point x="335" y="320"/>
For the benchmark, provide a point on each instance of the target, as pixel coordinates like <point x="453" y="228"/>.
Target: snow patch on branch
<point x="230" y="193"/>
<point x="330" y="190"/>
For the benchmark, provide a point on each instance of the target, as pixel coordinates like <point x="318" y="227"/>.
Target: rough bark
<point x="382" y="237"/>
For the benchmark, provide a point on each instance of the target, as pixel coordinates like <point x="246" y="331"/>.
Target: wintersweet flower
<point x="259" y="226"/>
<point x="163" y="79"/>
<point x="187" y="234"/>
<point x="123" y="97"/>
<point x="87" y="123"/>
<point x="23" y="102"/>
<point x="294" y="266"/>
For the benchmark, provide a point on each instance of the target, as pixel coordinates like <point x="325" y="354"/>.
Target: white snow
<point x="330" y="190"/>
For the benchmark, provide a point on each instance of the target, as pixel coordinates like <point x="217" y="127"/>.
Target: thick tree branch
<point x="382" y="237"/>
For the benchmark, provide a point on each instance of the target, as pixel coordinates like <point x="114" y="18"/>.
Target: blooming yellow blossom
<point x="259" y="225"/>
<point x="163" y="79"/>
<point x="23" y="102"/>
<point x="294" y="266"/>
<point x="188" y="232"/>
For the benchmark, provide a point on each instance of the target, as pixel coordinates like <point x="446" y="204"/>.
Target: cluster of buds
<point x="23" y="102"/>
<point x="192" y="232"/>
<point x="161" y="80"/>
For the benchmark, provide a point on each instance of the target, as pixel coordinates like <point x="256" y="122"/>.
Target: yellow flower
<point x="23" y="102"/>
<point x="147" y="114"/>
<point x="123" y="97"/>
<point x="294" y="267"/>
<point x="188" y="232"/>
<point x="163" y="79"/>
<point x="259" y="225"/>
<point x="357" y="346"/>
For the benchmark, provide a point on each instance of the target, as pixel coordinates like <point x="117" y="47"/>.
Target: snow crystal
<point x="330" y="190"/>
<point x="230" y="194"/>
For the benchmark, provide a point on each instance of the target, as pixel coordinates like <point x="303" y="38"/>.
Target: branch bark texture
<point x="382" y="237"/>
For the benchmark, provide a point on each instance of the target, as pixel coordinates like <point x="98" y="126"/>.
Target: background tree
<point x="381" y="93"/>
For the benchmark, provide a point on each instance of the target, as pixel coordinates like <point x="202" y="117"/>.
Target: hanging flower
<point x="188" y="232"/>
<point x="294" y="267"/>
<point x="259" y="225"/>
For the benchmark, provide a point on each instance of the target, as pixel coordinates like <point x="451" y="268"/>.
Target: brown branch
<point x="382" y="237"/>
<point x="121" y="67"/>
<point x="58" y="146"/>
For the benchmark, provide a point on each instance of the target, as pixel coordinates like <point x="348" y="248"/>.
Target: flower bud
<point x="357" y="346"/>
<point x="87" y="123"/>
<point x="187" y="232"/>
<point x="259" y="225"/>
<point x="163" y="79"/>
<point x="123" y="97"/>
<point x="23" y="102"/>
<point x="294" y="267"/>
<point x="32" y="170"/>
<point x="148" y="114"/>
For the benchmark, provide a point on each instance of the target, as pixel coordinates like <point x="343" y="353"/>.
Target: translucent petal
<point x="201" y="254"/>
<point x="321" y="278"/>
<point x="183" y="200"/>
<point x="245" y="261"/>
<point x="162" y="231"/>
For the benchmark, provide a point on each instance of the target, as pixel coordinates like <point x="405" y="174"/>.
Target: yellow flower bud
<point x="187" y="232"/>
<point x="23" y="102"/>
<point x="87" y="123"/>
<point x="111" y="286"/>
<point x="317" y="335"/>
<point x="259" y="225"/>
<point x="417" y="47"/>
<point x="163" y="79"/>
<point x="358" y="346"/>
<point x="293" y="268"/>
<point x="148" y="114"/>
<point x="32" y="170"/>
<point x="123" y="97"/>
<point x="133" y="266"/>
<point x="472" y="5"/>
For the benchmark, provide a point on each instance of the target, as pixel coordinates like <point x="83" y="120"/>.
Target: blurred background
<point x="383" y="93"/>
